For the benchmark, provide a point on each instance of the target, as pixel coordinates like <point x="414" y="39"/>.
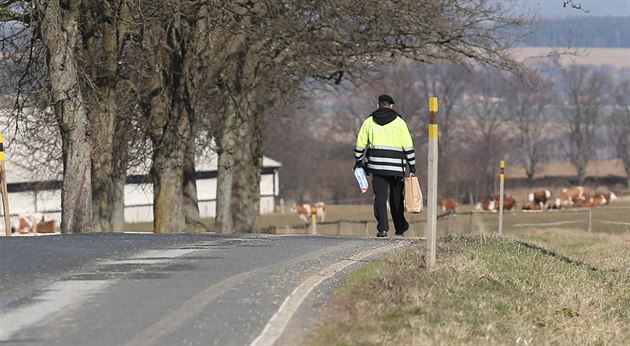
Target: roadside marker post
<point x="432" y="183"/>
<point x="501" y="183"/>
<point x="313" y="222"/>
<point x="5" y="192"/>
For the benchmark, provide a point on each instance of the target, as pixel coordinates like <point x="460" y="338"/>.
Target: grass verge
<point x="486" y="290"/>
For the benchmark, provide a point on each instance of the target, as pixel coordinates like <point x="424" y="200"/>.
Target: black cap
<point x="386" y="99"/>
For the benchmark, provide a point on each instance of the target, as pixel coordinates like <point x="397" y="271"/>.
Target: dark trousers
<point x="391" y="187"/>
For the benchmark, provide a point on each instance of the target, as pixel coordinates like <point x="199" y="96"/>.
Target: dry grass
<point x="484" y="290"/>
<point x="536" y="285"/>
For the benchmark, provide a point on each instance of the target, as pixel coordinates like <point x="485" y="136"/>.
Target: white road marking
<point x="56" y="297"/>
<point x="278" y="322"/>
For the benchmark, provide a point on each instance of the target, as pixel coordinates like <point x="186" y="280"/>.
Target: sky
<point x="554" y="8"/>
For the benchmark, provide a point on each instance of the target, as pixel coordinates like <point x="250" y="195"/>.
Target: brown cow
<point x="556" y="204"/>
<point x="570" y="195"/>
<point x="48" y="226"/>
<point x="305" y="210"/>
<point x="610" y="196"/>
<point x="540" y="197"/>
<point x="486" y="206"/>
<point x="583" y="203"/>
<point x="531" y="206"/>
<point x="598" y="200"/>
<point x="449" y="205"/>
<point x="509" y="202"/>
<point x="25" y="222"/>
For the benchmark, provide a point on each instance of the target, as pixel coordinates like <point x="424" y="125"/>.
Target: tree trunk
<point x="247" y="215"/>
<point x="170" y="116"/>
<point x="191" y="202"/>
<point x="59" y="30"/>
<point x="227" y="149"/>
<point x="168" y="164"/>
<point x="108" y="158"/>
<point x="168" y="192"/>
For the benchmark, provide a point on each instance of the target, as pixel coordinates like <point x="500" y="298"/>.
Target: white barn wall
<point x="139" y="198"/>
<point x="139" y="203"/>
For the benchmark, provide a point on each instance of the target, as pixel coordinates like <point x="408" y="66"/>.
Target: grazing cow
<point x="556" y="204"/>
<point x="509" y="202"/>
<point x="531" y="206"/>
<point x="320" y="210"/>
<point x="305" y="210"/>
<point x="24" y="223"/>
<point x="583" y="203"/>
<point x="486" y="206"/>
<point x="540" y="197"/>
<point x="569" y="196"/>
<point x="598" y="200"/>
<point x="610" y="196"/>
<point x="449" y="205"/>
<point x="48" y="226"/>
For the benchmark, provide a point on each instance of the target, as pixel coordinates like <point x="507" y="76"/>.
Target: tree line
<point x="120" y="83"/>
<point x="484" y="116"/>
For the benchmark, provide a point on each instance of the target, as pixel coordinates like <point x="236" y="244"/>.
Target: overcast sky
<point x="554" y="8"/>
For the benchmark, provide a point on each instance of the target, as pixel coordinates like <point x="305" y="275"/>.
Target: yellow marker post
<point x="432" y="183"/>
<point x="313" y="223"/>
<point x="5" y="192"/>
<point x="501" y="198"/>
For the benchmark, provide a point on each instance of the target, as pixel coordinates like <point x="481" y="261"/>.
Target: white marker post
<point x="432" y="183"/>
<point x="501" y="179"/>
<point x="5" y="192"/>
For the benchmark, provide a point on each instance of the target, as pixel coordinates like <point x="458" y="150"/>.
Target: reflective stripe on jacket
<point x="388" y="148"/>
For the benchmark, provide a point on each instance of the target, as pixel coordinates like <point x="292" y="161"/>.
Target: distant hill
<point x="583" y="31"/>
<point x="554" y="8"/>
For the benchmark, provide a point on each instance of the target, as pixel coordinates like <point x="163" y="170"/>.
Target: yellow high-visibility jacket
<point x="386" y="143"/>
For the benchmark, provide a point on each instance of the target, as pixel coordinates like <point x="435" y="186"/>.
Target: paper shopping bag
<point x="413" y="194"/>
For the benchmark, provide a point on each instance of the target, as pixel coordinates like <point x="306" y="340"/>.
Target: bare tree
<point x="528" y="111"/>
<point x="104" y="32"/>
<point x="581" y="113"/>
<point x="60" y="33"/>
<point x="486" y="133"/>
<point x="448" y="82"/>
<point x="54" y="25"/>
<point x="621" y="125"/>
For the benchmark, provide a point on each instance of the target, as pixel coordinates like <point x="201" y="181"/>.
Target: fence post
<point x="339" y="228"/>
<point x="501" y="183"/>
<point x="366" y="228"/>
<point x="432" y="183"/>
<point x="5" y="192"/>
<point x="590" y="220"/>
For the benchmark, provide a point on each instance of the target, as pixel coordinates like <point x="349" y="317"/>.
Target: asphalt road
<point x="171" y="289"/>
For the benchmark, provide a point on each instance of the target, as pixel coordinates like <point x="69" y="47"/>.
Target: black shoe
<point x="381" y="234"/>
<point x="400" y="233"/>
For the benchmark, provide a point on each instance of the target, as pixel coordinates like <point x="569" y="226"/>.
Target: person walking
<point x="384" y="148"/>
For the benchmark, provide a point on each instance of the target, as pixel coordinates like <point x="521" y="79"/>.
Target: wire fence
<point x="616" y="218"/>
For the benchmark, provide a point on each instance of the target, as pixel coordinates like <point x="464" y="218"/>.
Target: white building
<point x="139" y="195"/>
<point x="40" y="191"/>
